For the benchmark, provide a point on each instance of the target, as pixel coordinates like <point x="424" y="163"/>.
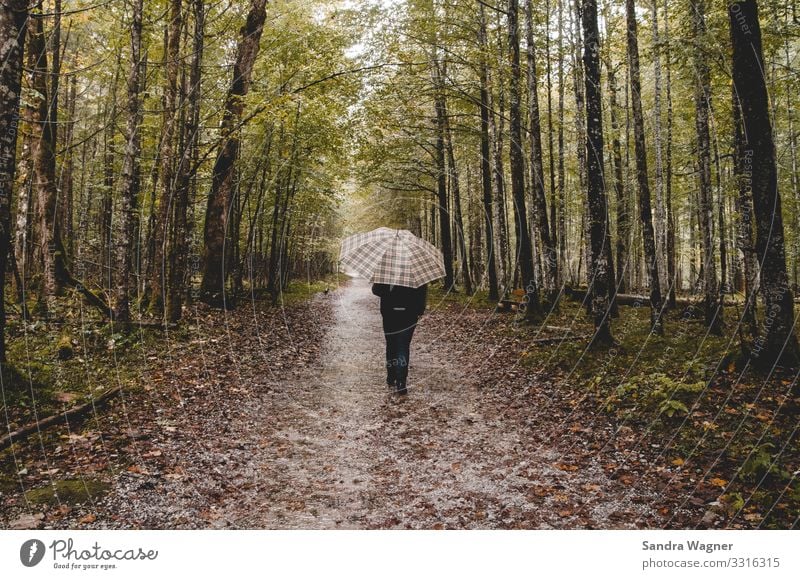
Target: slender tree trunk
<point x="486" y="169"/>
<point x="13" y="24"/>
<point x="596" y="195"/>
<point x="454" y="180"/>
<point x="499" y="182"/>
<point x="660" y="212"/>
<point x="441" y="181"/>
<point x="580" y="139"/>
<point x="561" y="227"/>
<point x="623" y="225"/>
<point x="523" y="247"/>
<point x="672" y="276"/>
<point x="551" y="147"/>
<point x="778" y="345"/>
<point x="648" y="236"/>
<point x="131" y="172"/>
<point x="537" y="176"/>
<point x="702" y="93"/>
<point x="179" y="241"/>
<point x="50" y="250"/>
<point x="212" y="289"/>
<point x="166" y="167"/>
<point x="68" y="171"/>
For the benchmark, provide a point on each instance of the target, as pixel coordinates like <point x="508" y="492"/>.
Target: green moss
<point x="64" y="347"/>
<point x="67" y="491"/>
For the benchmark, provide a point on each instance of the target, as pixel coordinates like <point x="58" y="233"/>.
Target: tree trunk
<point x="648" y="237"/>
<point x="454" y="181"/>
<point x="596" y="195"/>
<point x="623" y="225"/>
<point x="131" y="174"/>
<point x="744" y="211"/>
<point x="561" y="227"/>
<point x="537" y="176"/>
<point x="523" y="247"/>
<point x="778" y="345"/>
<point x="672" y="276"/>
<point x="441" y="182"/>
<point x="166" y="166"/>
<point x="486" y="170"/>
<point x="50" y="251"/>
<point x="212" y="289"/>
<point x="13" y="23"/>
<point x="660" y="212"/>
<point x="702" y="95"/>
<point x="179" y="241"/>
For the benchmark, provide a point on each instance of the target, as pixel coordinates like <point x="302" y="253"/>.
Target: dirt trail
<point x="346" y="453"/>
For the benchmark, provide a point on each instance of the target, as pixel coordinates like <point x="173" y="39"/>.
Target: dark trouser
<point x="398" y="327"/>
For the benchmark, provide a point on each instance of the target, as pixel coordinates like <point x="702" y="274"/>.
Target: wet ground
<point x="288" y="423"/>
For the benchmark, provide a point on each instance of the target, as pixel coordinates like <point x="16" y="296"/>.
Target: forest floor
<point x="279" y="417"/>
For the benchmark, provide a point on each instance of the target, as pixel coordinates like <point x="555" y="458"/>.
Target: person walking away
<point x="401" y="308"/>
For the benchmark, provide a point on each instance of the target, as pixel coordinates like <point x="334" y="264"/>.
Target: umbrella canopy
<point x="393" y="256"/>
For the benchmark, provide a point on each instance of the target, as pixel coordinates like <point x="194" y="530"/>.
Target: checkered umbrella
<point x="393" y="256"/>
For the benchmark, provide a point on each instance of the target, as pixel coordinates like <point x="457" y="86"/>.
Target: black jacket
<point x="412" y="299"/>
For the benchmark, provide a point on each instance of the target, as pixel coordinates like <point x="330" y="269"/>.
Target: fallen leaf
<point x="718" y="482"/>
<point x="86" y="519"/>
<point x="27" y="522"/>
<point x="567" y="467"/>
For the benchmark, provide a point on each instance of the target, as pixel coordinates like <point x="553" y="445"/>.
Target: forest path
<point x="347" y="453"/>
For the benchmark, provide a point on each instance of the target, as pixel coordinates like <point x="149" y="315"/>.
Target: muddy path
<point x="288" y="423"/>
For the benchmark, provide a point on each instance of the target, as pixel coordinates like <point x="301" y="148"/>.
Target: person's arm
<point x="380" y="289"/>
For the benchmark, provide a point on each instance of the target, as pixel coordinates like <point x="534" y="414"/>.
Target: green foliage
<point x="763" y="463"/>
<point x="656" y="392"/>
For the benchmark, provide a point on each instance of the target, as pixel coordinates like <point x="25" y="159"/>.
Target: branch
<point x="66" y="416"/>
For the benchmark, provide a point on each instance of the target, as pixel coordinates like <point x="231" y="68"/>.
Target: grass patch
<point x="299" y="291"/>
<point x="438" y="296"/>
<point x="67" y="491"/>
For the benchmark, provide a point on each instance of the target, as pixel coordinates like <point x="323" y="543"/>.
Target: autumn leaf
<point x="567" y="467"/>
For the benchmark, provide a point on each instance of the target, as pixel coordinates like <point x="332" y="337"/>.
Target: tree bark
<point x="179" y="240"/>
<point x="486" y="169"/>
<point x="778" y="345"/>
<point x="536" y="175"/>
<point x="13" y="24"/>
<point x="596" y="195"/>
<point x="441" y="182"/>
<point x="454" y="181"/>
<point x="672" y="274"/>
<point x="702" y="95"/>
<point x="643" y="185"/>
<point x="523" y="245"/>
<point x="166" y="167"/>
<point x="212" y="289"/>
<point x="131" y="173"/>
<point x="50" y="251"/>
<point x="620" y="193"/>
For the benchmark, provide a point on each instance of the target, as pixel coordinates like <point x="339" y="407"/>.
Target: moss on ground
<point x="67" y="491"/>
